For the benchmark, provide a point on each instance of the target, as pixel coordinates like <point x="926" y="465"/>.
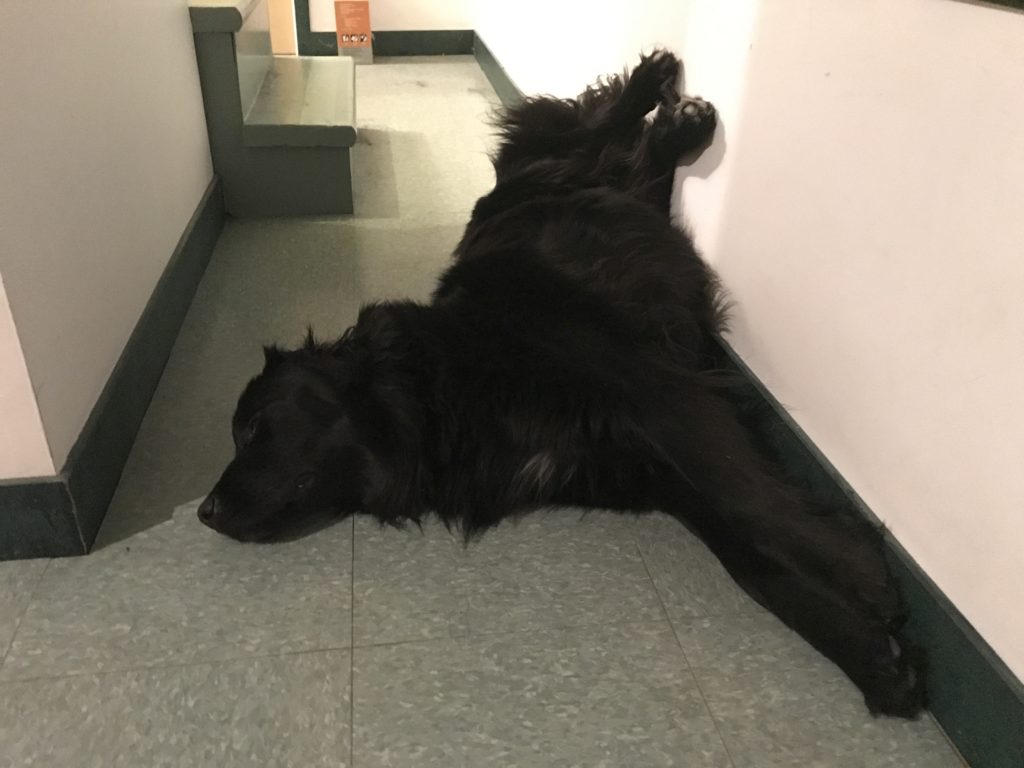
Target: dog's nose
<point x="208" y="510"/>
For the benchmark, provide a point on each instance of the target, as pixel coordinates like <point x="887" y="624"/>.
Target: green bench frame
<point x="280" y="127"/>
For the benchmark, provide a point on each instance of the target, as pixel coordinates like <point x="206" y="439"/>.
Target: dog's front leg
<point x="823" y="574"/>
<point x="863" y="643"/>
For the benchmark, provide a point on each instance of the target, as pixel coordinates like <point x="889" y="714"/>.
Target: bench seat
<point x="304" y="101"/>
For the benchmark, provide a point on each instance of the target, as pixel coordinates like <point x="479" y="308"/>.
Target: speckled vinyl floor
<point x="565" y="640"/>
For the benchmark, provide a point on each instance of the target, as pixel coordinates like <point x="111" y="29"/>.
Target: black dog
<point x="566" y="358"/>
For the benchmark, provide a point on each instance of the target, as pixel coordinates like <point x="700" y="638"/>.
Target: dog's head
<point x="321" y="432"/>
<point x="297" y="452"/>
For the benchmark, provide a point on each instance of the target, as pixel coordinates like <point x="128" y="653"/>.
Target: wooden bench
<point x="280" y="126"/>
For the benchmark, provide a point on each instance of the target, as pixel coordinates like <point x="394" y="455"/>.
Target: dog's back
<point x="604" y="242"/>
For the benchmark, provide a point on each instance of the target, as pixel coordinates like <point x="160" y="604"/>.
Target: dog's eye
<point x="250" y="430"/>
<point x="305" y="481"/>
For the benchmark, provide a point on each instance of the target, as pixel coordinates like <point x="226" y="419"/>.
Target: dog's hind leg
<point x="676" y="135"/>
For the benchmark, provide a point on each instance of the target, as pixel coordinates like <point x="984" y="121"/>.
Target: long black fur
<point x="566" y="359"/>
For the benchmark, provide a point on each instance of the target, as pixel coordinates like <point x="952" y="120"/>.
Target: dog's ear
<point x="272" y="356"/>
<point x="310" y="344"/>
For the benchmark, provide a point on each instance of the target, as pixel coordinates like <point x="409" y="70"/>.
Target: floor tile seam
<point x="32" y="592"/>
<point x="473" y="577"/>
<point x="689" y="666"/>
<point x="713" y="616"/>
<point x="171" y="665"/>
<point x="371" y="223"/>
<point x="511" y="633"/>
<point x="704" y="697"/>
<point x="314" y="583"/>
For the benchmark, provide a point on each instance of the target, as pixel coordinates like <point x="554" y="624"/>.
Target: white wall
<point x="105" y="157"/>
<point x="23" y="448"/>
<point x="400" y="15"/>
<point x="559" y="47"/>
<point x="868" y="218"/>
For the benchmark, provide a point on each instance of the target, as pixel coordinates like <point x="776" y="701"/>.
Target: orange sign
<point x="353" y="22"/>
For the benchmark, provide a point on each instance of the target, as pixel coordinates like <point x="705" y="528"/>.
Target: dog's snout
<point x="208" y="510"/>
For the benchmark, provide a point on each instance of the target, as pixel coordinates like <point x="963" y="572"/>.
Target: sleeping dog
<point x="567" y="357"/>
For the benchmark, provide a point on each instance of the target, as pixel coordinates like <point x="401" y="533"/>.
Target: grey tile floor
<point x="563" y="640"/>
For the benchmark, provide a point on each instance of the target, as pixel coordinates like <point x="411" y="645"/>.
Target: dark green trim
<point x="59" y="516"/>
<point x="94" y="465"/>
<point x="318" y="44"/>
<point x="972" y="694"/>
<point x="432" y="42"/>
<point x="496" y="74"/>
<point x="37" y="519"/>
<point x="221" y="18"/>
<point x="311" y="43"/>
<point x="1017" y="5"/>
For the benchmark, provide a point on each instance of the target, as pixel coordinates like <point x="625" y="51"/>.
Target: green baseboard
<point x="318" y="44"/>
<point x="434" y="42"/>
<point x="502" y="84"/>
<point x="60" y="516"/>
<point x="972" y="694"/>
<point x="311" y="43"/>
<point x="1018" y="5"/>
<point x="37" y="519"/>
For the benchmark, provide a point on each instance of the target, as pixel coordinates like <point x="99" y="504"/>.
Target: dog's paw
<point x="662" y="67"/>
<point x="655" y="81"/>
<point x="696" y="114"/>
<point x="694" y="120"/>
<point x="896" y="684"/>
<point x="687" y="128"/>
